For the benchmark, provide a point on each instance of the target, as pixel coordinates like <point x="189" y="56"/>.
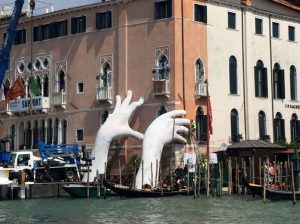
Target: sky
<point x="57" y="4"/>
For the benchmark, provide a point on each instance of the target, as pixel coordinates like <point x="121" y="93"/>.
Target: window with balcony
<point x="103" y="20"/>
<point x="162" y="9"/>
<point x="78" y="24"/>
<point x="279" y="128"/>
<point x="262" y="125"/>
<point x="162" y="69"/>
<point x="234" y="120"/>
<point x="201" y="86"/>
<point x="231" y="20"/>
<point x="106" y="76"/>
<point x="291" y="33"/>
<point x="258" y="26"/>
<point x="200" y="13"/>
<point x="275" y="30"/>
<point x="261" y="80"/>
<point x="278" y="82"/>
<point x="201" y="125"/>
<point x="295" y="129"/>
<point x="293" y="82"/>
<point x="233" y="86"/>
<point x="79" y="135"/>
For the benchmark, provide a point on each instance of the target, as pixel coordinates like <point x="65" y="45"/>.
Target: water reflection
<point x="179" y="209"/>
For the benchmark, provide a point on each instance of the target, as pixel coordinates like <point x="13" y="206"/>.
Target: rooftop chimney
<point x="246" y="2"/>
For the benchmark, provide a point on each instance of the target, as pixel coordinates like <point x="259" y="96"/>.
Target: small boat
<point x="273" y="194"/>
<point x="128" y="192"/>
<point x="255" y="189"/>
<point x="81" y="191"/>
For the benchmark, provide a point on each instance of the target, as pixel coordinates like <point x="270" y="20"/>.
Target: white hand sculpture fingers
<point x="174" y="113"/>
<point x="136" y="134"/>
<point x="179" y="138"/>
<point x="182" y="121"/>
<point x="118" y="103"/>
<point x="135" y="104"/>
<point x="127" y="99"/>
<point x="181" y="129"/>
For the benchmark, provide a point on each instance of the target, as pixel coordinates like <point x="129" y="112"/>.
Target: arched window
<point x="55" y="139"/>
<point x="106" y="76"/>
<point x="261" y="80"/>
<point x="199" y="71"/>
<point x="201" y="125"/>
<point x="61" y="81"/>
<point x="162" y="110"/>
<point x="295" y="129"/>
<point x="21" y="136"/>
<point x="279" y="129"/>
<point x="104" y="117"/>
<point x="278" y="82"/>
<point x="262" y="125"/>
<point x="46" y="86"/>
<point x="13" y="135"/>
<point x="28" y="135"/>
<point x="42" y="131"/>
<point x="293" y="82"/>
<point x="233" y="75"/>
<point x="35" y="134"/>
<point x="234" y="120"/>
<point x="64" y="126"/>
<point x="38" y="81"/>
<point x="49" y="131"/>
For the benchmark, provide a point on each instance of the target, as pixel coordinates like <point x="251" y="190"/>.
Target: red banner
<point x="16" y="90"/>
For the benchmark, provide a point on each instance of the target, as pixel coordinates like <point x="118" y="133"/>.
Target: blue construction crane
<point x="9" y="39"/>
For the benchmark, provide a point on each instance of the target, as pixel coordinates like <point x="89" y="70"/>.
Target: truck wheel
<point x="70" y="175"/>
<point x="28" y="175"/>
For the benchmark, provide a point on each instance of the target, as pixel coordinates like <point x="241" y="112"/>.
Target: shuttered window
<point x="234" y="120"/>
<point x="291" y="33"/>
<point x="262" y="125"/>
<point x="103" y="20"/>
<point x="279" y="128"/>
<point x="293" y="83"/>
<point x="78" y="24"/>
<point x="50" y="30"/>
<point x="233" y="75"/>
<point x="201" y="125"/>
<point x="275" y="29"/>
<point x="201" y="13"/>
<point x="258" y="26"/>
<point x="231" y="20"/>
<point x="261" y="80"/>
<point x="162" y="9"/>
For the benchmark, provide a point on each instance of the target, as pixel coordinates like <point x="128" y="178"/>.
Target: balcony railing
<point x="37" y="103"/>
<point x="4" y="108"/>
<point x="201" y="90"/>
<point x="161" y="87"/>
<point x="104" y="94"/>
<point x="59" y="99"/>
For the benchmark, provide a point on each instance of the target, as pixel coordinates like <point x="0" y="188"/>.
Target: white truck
<point x="57" y="163"/>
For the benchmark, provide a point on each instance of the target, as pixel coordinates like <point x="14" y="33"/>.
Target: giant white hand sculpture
<point x="116" y="126"/>
<point x="161" y="131"/>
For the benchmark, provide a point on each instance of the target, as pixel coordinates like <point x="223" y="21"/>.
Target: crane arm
<point x="9" y="39"/>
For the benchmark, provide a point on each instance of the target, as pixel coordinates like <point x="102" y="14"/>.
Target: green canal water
<point x="179" y="209"/>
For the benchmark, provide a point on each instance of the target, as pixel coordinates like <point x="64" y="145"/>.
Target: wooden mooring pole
<point x="264" y="182"/>
<point x="293" y="184"/>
